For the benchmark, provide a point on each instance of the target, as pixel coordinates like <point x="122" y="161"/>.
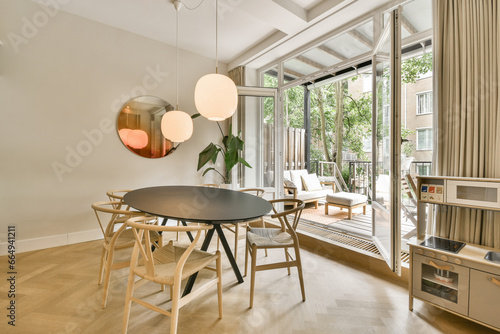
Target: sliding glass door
<point x="256" y="119"/>
<point x="386" y="140"/>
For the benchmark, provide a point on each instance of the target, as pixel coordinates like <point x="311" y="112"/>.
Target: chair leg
<point x="177" y="233"/>
<point x="236" y="234"/>
<point x="264" y="226"/>
<point x="299" y="268"/>
<point x="326" y="208"/>
<point x="101" y="269"/>
<point x="176" y="295"/>
<point x="247" y="250"/>
<point x="107" y="277"/>
<point x="218" y="264"/>
<point x="364" y="209"/>
<point x="287" y="256"/>
<point x="128" y="301"/>
<point x="349" y="213"/>
<point x="252" y="273"/>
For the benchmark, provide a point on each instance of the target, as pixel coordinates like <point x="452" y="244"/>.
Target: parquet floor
<point x="57" y="292"/>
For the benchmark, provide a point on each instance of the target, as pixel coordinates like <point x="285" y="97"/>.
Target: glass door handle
<point x="438" y="266"/>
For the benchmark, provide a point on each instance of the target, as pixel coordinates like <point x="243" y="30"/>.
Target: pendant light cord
<point x="216" y="36"/>
<point x="177" y="59"/>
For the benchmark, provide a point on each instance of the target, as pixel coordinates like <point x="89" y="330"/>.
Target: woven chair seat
<point x="166" y="259"/>
<point x="269" y="237"/>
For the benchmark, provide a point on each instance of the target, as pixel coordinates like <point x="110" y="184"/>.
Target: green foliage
<point x="413" y="68"/>
<point x="357" y="123"/>
<point x="230" y="151"/>
<point x="345" y="174"/>
<point x="294" y="107"/>
<point x="408" y="147"/>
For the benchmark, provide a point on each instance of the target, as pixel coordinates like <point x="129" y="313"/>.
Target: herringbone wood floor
<point x="57" y="292"/>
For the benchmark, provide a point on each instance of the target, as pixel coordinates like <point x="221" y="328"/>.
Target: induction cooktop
<point x="443" y="244"/>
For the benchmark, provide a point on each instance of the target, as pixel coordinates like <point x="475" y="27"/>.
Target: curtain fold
<point x="467" y="43"/>
<point x="237" y="75"/>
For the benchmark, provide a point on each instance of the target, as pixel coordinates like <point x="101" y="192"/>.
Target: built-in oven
<point x="438" y="279"/>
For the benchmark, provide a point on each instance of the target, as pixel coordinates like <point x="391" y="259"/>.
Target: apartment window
<point x="424" y="103"/>
<point x="424" y="139"/>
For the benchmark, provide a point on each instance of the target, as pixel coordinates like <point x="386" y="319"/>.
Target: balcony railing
<point x="360" y="173"/>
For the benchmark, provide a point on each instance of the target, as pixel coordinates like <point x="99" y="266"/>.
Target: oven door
<point x="441" y="283"/>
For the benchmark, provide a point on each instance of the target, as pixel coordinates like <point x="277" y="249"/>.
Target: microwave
<point x="473" y="193"/>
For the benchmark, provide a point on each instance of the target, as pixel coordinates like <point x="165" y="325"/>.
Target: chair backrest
<point x="108" y="216"/>
<point x="284" y="216"/>
<point x="143" y="244"/>
<point x="254" y="191"/>
<point x="411" y="183"/>
<point x="117" y="195"/>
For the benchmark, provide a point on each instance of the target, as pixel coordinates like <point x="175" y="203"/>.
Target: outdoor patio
<point x="360" y="226"/>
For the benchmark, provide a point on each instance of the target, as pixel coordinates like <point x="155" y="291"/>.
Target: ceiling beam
<point x="293" y="8"/>
<point x="331" y="52"/>
<point x="327" y="7"/>
<point x="310" y="62"/>
<point x="408" y="26"/>
<point x="293" y="73"/>
<point x="362" y="38"/>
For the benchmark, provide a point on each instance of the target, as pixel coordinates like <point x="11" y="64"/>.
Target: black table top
<point x="198" y="204"/>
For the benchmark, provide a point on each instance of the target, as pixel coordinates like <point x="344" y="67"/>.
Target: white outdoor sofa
<point x="307" y="187"/>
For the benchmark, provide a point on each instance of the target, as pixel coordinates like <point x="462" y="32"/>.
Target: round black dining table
<point x="200" y="204"/>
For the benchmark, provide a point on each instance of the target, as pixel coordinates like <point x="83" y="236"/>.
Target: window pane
<point x="424" y="139"/>
<point x="424" y="103"/>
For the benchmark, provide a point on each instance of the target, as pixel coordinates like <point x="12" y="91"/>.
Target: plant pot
<point x="229" y="186"/>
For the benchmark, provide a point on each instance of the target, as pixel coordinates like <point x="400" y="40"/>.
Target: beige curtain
<point x="237" y="75"/>
<point x="467" y="77"/>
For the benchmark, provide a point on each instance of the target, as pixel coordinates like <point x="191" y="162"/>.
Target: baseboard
<point x="28" y="245"/>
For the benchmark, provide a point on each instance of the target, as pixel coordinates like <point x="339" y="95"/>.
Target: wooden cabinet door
<point x="485" y="297"/>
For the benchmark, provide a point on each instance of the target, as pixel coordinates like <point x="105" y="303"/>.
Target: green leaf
<point x="195" y="116"/>
<point x="230" y="159"/>
<point x="241" y="160"/>
<point x="206" y="170"/>
<point x="208" y="154"/>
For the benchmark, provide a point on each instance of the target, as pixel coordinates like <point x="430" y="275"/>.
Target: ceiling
<point x="251" y="32"/>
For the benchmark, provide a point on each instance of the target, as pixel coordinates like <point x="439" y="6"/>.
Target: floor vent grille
<point x="344" y="239"/>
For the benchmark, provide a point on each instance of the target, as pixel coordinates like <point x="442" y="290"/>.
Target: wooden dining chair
<point x="116" y="237"/>
<point x="117" y="195"/>
<point x="235" y="227"/>
<point x="276" y="238"/>
<point x="169" y="265"/>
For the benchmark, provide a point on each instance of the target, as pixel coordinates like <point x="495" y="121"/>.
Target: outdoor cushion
<point x="345" y="198"/>
<point x="308" y="195"/>
<point x="311" y="182"/>
<point x="289" y="183"/>
<point x="297" y="179"/>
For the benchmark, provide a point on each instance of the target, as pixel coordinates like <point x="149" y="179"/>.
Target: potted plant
<point x="231" y="149"/>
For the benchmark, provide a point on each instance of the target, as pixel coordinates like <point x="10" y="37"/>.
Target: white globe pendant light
<point x="176" y="126"/>
<point x="215" y="95"/>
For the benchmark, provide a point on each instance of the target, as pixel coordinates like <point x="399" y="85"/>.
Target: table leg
<point x="190" y="236"/>
<point x="229" y="254"/>
<point x="204" y="247"/>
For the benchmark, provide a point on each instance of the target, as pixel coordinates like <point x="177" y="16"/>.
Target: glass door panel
<point x="386" y="140"/>
<point x="255" y="120"/>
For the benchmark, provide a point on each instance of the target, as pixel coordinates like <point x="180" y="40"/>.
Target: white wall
<point x="62" y="76"/>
